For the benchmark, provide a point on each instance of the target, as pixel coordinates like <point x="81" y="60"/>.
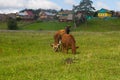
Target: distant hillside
<point x="92" y="25"/>
<point x="101" y="25"/>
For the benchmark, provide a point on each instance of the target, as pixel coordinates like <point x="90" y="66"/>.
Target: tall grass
<point x="27" y="55"/>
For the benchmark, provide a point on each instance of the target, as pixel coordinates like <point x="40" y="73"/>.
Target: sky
<point x="12" y="6"/>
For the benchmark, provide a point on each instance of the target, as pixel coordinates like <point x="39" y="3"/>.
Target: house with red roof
<point x="26" y="15"/>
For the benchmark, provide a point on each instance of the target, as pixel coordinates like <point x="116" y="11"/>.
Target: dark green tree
<point x="12" y="24"/>
<point x="85" y="7"/>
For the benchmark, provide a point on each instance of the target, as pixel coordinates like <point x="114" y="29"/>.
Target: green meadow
<point x="3" y="26"/>
<point x="27" y="55"/>
<point x="94" y="25"/>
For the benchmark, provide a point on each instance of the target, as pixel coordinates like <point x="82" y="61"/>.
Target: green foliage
<point x="12" y="24"/>
<point x="85" y="6"/>
<point x="18" y="19"/>
<point x="27" y="55"/>
<point x="86" y="9"/>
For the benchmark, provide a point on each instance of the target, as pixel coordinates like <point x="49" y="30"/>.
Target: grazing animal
<point x="58" y="35"/>
<point x="56" y="47"/>
<point x="57" y="40"/>
<point x="67" y="29"/>
<point x="68" y="42"/>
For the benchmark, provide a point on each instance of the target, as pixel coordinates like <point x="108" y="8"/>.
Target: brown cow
<point x="68" y="42"/>
<point x="57" y="40"/>
<point x="58" y="35"/>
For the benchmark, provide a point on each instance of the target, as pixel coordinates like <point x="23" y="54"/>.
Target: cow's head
<point x="55" y="47"/>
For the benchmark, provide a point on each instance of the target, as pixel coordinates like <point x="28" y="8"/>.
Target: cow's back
<point x="67" y="38"/>
<point x="68" y="41"/>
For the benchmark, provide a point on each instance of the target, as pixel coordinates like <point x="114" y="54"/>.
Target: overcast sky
<point x="8" y="6"/>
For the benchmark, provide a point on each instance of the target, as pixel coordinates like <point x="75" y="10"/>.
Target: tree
<point x="12" y="24"/>
<point x="95" y="14"/>
<point x="113" y="13"/>
<point x="61" y="10"/>
<point x="85" y="7"/>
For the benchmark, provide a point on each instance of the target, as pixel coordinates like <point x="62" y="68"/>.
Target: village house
<point x="3" y="17"/>
<point x="26" y="15"/>
<point x="12" y="15"/>
<point x="46" y="15"/>
<point x="102" y="13"/>
<point x="65" y="15"/>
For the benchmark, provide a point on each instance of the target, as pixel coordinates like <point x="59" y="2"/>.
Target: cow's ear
<point x="58" y="44"/>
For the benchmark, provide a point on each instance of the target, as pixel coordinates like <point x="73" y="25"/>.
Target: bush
<point x="12" y="24"/>
<point x="18" y="19"/>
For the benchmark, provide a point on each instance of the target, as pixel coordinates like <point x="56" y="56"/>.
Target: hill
<point x="101" y="25"/>
<point x="96" y="25"/>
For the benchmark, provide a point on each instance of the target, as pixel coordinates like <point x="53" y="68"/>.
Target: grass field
<point x="27" y="55"/>
<point x="50" y="25"/>
<point x="3" y="26"/>
<point x="100" y="25"/>
<point x="46" y="26"/>
<point x="94" y="25"/>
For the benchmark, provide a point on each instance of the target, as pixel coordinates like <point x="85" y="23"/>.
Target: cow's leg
<point x="66" y="50"/>
<point x="73" y="49"/>
<point x="60" y="46"/>
<point x="63" y="47"/>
